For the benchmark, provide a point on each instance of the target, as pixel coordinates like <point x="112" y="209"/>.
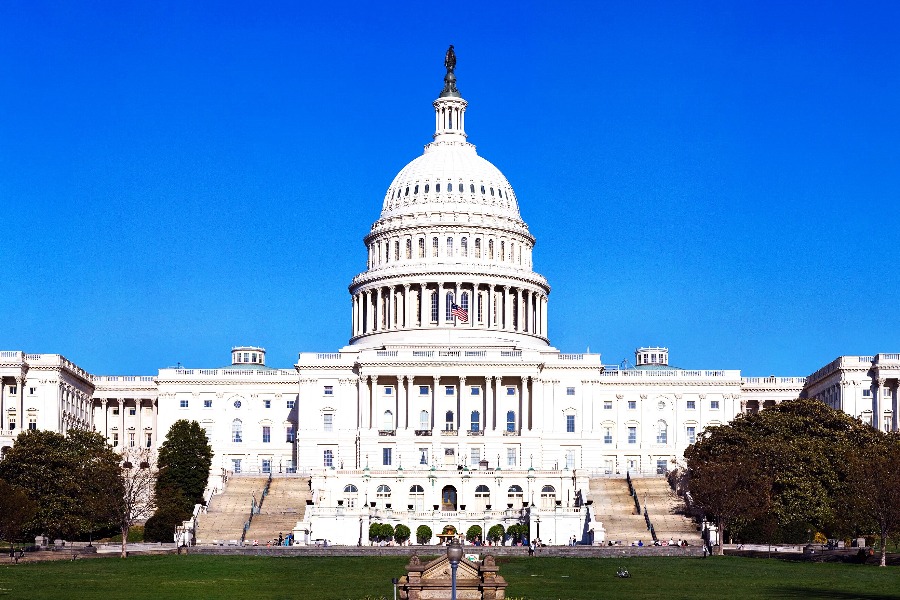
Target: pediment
<point x="439" y="568"/>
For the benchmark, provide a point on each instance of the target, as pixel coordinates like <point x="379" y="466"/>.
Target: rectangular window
<point x="714" y="404"/>
<point x="691" y="404"/>
<point x="867" y="393"/>
<point x="511" y="421"/>
<point x="661" y="466"/>
<point x="386" y="456"/>
<point x="236" y="465"/>
<point x="267" y="434"/>
<point x="131" y="440"/>
<point x="289" y="434"/>
<point x="132" y="411"/>
<point x="449" y="390"/>
<point x="328" y="422"/>
<point x="607" y="435"/>
<point x="266" y="465"/>
<point x="32" y="423"/>
<point x="12" y="423"/>
<point x="570" y="391"/>
<point x="290" y="404"/>
<point x="476" y="390"/>
<point x="13" y="389"/>
<point x="181" y="403"/>
<point x="570" y="423"/>
<point x="328" y="458"/>
<point x="632" y="404"/>
<point x="423" y="390"/>
<point x="632" y="435"/>
<point x="388" y="390"/>
<point x="115" y="411"/>
<point x="510" y="391"/>
<point x="570" y="459"/>
<point x="115" y="439"/>
<point x="149" y="440"/>
<point x="32" y="391"/>
<point x="475" y="456"/>
<point x="511" y="457"/>
<point x="207" y="404"/>
<point x="607" y="405"/>
<point x="691" y="435"/>
<point x="267" y="404"/>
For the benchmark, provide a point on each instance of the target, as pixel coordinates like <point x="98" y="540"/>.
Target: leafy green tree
<point x="496" y="533"/>
<point x="517" y="532"/>
<point x="793" y="451"/>
<point x="73" y="481"/>
<point x="183" y="471"/>
<point x="375" y="532"/>
<point x="401" y="534"/>
<point x="16" y="509"/>
<point x="473" y="534"/>
<point x="423" y="534"/>
<point x="868" y="500"/>
<point x="386" y="533"/>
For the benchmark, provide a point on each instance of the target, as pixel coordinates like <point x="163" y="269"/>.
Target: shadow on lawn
<point x="804" y="592"/>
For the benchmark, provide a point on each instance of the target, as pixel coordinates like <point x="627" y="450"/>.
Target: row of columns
<point x="106" y="426"/>
<point x="368" y="400"/>
<point x="406" y="306"/>
<point x="8" y="401"/>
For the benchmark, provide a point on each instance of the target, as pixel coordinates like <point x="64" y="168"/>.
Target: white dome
<point x="450" y="177"/>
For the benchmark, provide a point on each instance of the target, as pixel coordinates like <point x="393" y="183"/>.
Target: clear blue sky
<point x="720" y="178"/>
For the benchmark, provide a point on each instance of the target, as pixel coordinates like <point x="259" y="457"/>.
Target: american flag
<point x="459" y="312"/>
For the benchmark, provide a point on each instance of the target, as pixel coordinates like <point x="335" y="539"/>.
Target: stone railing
<point x="670" y="373"/>
<point x="228" y="372"/>
<point x="123" y="378"/>
<point x="767" y="381"/>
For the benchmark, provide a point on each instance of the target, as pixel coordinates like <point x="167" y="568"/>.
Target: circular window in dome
<point x="661" y="405"/>
<point x="237" y="403"/>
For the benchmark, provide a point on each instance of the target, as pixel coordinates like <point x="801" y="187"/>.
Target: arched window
<point x="548" y="497"/>
<point x="448" y="421"/>
<point x="426" y="188"/>
<point x="421" y="247"/>
<point x="476" y="421"/>
<point x="449" y="306"/>
<point x="417" y="497"/>
<point x="424" y="421"/>
<point x="437" y="188"/>
<point x="397" y="250"/>
<point x="434" y="247"/>
<point x="237" y="431"/>
<point x="350" y="492"/>
<point x="449" y="246"/>
<point x="407" y="191"/>
<point x="416" y="191"/>
<point x="514" y="495"/>
<point x="472" y="188"/>
<point x="464" y="301"/>
<point x="350" y="489"/>
<point x="408" y="248"/>
<point x="662" y="432"/>
<point x="378" y="252"/>
<point x="502" y="250"/>
<point x="492" y="191"/>
<point x="387" y="420"/>
<point x="490" y="249"/>
<point x="477" y="247"/>
<point x="482" y="497"/>
<point x="482" y="189"/>
<point x="464" y="246"/>
<point x="511" y="420"/>
<point x="383" y="491"/>
<point x="512" y="252"/>
<point x="434" y="306"/>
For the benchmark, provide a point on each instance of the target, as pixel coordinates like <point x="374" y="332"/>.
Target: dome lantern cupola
<point x="449" y="108"/>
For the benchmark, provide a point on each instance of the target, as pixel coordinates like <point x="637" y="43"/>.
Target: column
<point x="507" y="309"/>
<point x="103" y="403"/>
<point x="373" y="390"/>
<point x="403" y="418"/>
<point x="434" y="391"/>
<point x="20" y="402"/>
<point x="543" y="315"/>
<point x="2" y="405"/>
<point x="122" y="423"/>
<point x="378" y="301"/>
<point x="526" y="400"/>
<point x="391" y="316"/>
<point x="406" y="307"/>
<point x="520" y="425"/>
<point x="442" y="304"/>
<point x="360" y="402"/>
<point x="459" y="396"/>
<point x="495" y="384"/>
<point x="139" y="429"/>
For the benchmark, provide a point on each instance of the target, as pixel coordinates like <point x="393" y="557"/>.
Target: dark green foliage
<point x="496" y="533"/>
<point x="16" y="509"/>
<point x="184" y="461"/>
<point x="401" y="533"/>
<point x="423" y="534"/>
<point x="517" y="532"/>
<point x="73" y="480"/>
<point x="473" y="534"/>
<point x="784" y="464"/>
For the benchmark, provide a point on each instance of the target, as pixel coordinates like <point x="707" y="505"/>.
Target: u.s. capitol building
<point x="449" y="391"/>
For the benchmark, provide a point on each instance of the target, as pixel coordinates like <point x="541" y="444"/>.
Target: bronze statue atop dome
<point x="450" y="78"/>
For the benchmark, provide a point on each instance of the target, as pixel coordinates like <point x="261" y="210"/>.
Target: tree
<point x="375" y="532"/>
<point x="473" y="534"/>
<point x="401" y="534"/>
<point x="184" y="460"/>
<point x="138" y="480"/>
<point x="73" y="481"/>
<point x="796" y="448"/>
<point x="387" y="532"/>
<point x="423" y="534"/>
<point x="16" y="509"/>
<point x="869" y="496"/>
<point x="496" y="533"/>
<point x="517" y="532"/>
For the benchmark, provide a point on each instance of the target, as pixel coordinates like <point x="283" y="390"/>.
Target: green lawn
<point x="198" y="577"/>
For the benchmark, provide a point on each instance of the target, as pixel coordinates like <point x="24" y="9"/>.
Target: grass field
<point x="198" y="577"/>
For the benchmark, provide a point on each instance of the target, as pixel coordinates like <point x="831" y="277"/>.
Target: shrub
<point x="401" y="533"/>
<point x="473" y="534"/>
<point x="423" y="534"/>
<point x="496" y="533"/>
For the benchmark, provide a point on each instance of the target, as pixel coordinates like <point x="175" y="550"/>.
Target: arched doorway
<point x="448" y="498"/>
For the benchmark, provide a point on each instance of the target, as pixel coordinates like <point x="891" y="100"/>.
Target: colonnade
<point x="427" y="305"/>
<point x="107" y="426"/>
<point x="11" y="401"/>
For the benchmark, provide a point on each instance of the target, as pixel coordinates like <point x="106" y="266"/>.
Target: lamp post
<point x="395" y="581"/>
<point x="454" y="554"/>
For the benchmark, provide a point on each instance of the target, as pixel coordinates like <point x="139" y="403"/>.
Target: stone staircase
<point x="285" y="504"/>
<point x="666" y="510"/>
<point x="614" y="508"/>
<point x="226" y="513"/>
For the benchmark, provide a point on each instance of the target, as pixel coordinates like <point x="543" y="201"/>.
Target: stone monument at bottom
<point x="432" y="580"/>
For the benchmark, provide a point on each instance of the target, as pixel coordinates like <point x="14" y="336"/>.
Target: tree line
<point x="787" y="473"/>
